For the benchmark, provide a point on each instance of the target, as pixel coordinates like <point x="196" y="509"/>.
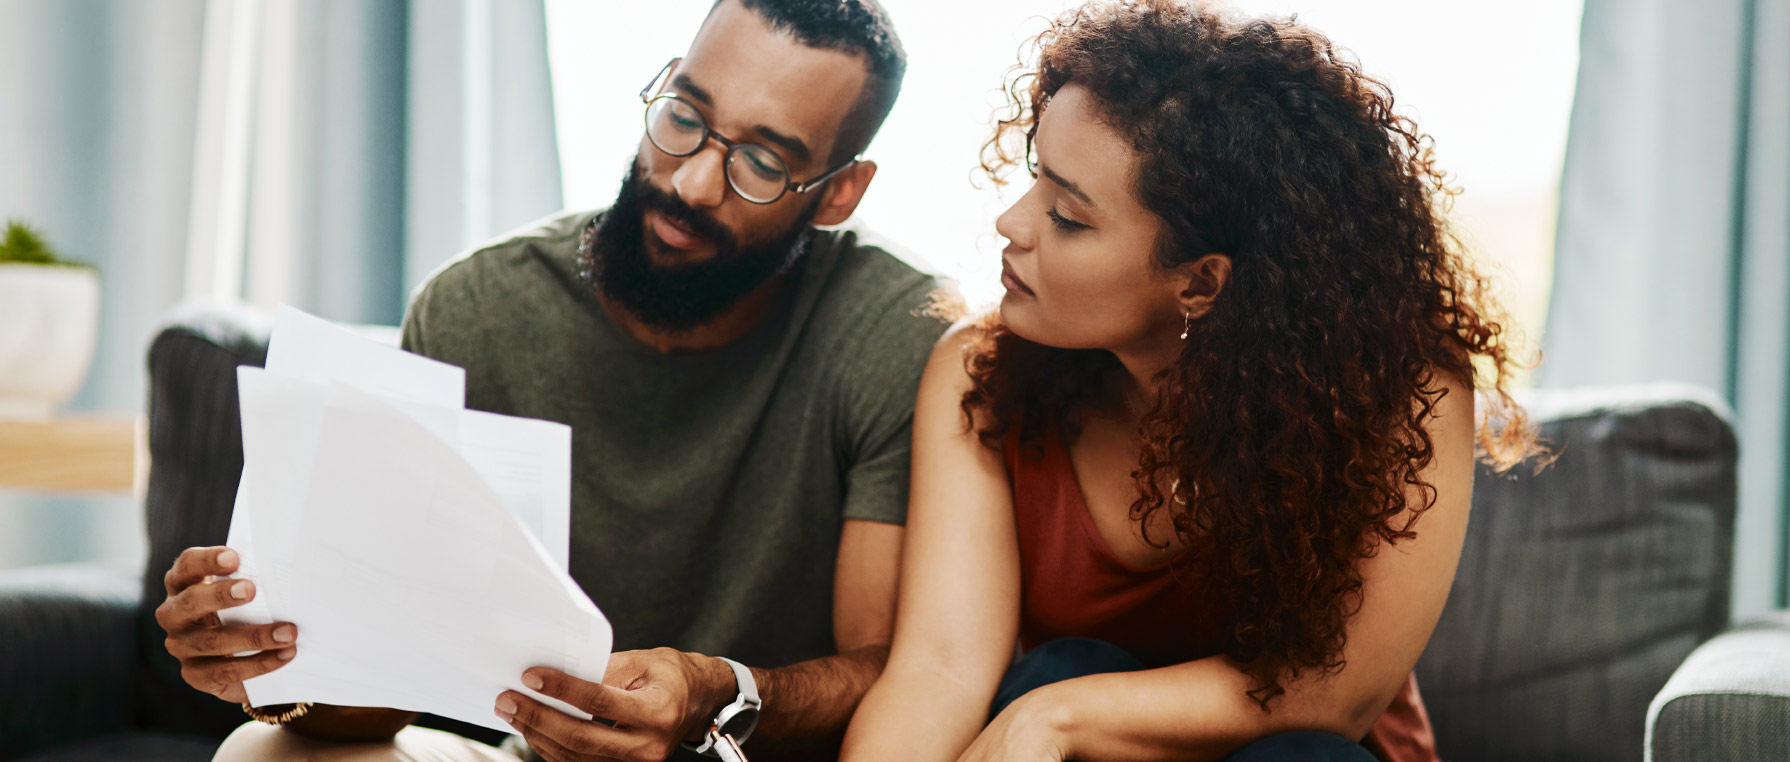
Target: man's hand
<point x="206" y="647"/>
<point x="655" y="699"/>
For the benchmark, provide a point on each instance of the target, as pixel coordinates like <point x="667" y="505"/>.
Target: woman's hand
<point x="1033" y="728"/>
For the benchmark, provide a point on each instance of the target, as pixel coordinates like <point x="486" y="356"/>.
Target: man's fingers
<point x="582" y="737"/>
<point x="551" y="751"/>
<point x="548" y="748"/>
<point x="204" y="646"/>
<point x="195" y="564"/>
<point x="223" y="676"/>
<point x="225" y="641"/>
<point x="201" y="600"/>
<point x="604" y="701"/>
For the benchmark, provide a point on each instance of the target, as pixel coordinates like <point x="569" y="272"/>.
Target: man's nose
<point x="702" y="179"/>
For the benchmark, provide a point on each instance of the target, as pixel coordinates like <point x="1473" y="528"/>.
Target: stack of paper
<point x="420" y="547"/>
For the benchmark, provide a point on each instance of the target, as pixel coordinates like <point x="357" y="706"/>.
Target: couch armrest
<point x="1729" y="700"/>
<point x="67" y="654"/>
<point x="195" y="448"/>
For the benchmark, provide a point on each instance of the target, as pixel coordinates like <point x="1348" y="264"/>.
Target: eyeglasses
<point x="757" y="173"/>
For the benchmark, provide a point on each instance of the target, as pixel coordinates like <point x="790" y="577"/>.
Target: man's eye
<point x="685" y="123"/>
<point x="761" y="166"/>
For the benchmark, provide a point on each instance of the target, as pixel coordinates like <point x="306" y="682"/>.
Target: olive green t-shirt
<point x="708" y="489"/>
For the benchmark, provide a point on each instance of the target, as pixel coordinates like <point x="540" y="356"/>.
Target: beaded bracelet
<point x="298" y="710"/>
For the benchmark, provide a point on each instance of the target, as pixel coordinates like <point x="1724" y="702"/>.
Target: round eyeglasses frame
<point x="648" y="97"/>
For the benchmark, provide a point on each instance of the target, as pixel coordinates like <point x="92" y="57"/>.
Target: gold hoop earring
<point x="1187" y="326"/>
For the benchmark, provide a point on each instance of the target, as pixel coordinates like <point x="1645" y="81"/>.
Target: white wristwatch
<point x="736" y="719"/>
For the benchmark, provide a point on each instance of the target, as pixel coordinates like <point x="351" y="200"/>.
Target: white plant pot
<point x="49" y="321"/>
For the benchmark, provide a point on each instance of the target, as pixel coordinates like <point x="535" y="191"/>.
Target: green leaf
<point x="23" y="244"/>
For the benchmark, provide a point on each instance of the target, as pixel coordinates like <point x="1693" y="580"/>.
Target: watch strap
<point x="747" y="703"/>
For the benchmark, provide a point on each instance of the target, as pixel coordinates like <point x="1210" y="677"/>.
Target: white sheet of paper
<point x="528" y="463"/>
<point x="279" y="437"/>
<point x="420" y="548"/>
<point x="309" y="348"/>
<point x="304" y="347"/>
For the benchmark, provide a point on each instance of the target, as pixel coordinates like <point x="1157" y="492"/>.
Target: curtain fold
<point x="386" y="137"/>
<point x="1673" y="248"/>
<point x="483" y="151"/>
<point x="324" y="153"/>
<point x="97" y="112"/>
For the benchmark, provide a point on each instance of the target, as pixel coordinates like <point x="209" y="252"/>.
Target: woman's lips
<point x="1012" y="281"/>
<point x="673" y="235"/>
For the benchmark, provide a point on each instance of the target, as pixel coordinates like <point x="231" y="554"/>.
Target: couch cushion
<point x="67" y="642"/>
<point x="135" y="747"/>
<point x="1582" y="587"/>
<point x="195" y="448"/>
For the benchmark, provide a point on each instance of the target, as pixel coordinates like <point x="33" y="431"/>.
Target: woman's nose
<point x="1010" y="227"/>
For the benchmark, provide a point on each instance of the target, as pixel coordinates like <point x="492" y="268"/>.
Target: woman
<point x="1209" y="464"/>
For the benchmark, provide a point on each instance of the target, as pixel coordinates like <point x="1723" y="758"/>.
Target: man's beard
<point x="680" y="297"/>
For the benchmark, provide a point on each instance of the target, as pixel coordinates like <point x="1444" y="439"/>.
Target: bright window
<point x="1492" y="82"/>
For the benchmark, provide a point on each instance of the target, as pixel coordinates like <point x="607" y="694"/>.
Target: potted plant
<point x="49" y="320"/>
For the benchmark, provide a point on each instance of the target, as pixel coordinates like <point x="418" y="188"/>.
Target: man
<point x="740" y="388"/>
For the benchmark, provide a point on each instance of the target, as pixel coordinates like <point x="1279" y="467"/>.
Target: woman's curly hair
<point x="1291" y="431"/>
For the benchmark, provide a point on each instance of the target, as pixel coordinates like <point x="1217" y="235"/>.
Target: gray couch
<point x="1581" y="591"/>
<point x="1583" y="588"/>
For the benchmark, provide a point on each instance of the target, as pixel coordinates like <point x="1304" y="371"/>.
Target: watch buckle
<point x="724" y="746"/>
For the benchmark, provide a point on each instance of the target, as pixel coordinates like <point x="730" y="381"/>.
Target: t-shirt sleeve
<point x="881" y="382"/>
<point x="421" y="330"/>
<point x="876" y="487"/>
<point x="410" y="333"/>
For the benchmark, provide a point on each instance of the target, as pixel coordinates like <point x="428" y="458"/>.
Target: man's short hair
<point x="859" y="27"/>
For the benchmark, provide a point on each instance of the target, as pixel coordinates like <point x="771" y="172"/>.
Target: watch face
<point x="741" y="723"/>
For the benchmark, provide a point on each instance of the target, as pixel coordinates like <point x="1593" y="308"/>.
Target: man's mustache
<point x="687" y="216"/>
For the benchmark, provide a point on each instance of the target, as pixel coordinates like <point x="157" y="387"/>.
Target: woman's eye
<point x="1064" y="223"/>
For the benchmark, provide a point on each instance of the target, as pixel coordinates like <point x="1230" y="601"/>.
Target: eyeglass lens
<point x="677" y="128"/>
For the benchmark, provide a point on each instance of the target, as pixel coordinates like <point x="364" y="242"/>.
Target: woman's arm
<point x="1198" y="710"/>
<point x="957" y="616"/>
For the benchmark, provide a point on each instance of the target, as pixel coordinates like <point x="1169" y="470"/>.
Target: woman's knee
<point x="251" y="740"/>
<point x="1068" y="658"/>
<point x="1302" y="746"/>
<point x="1058" y="660"/>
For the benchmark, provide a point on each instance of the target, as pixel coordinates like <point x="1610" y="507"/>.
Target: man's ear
<point x="1205" y="280"/>
<point x="843" y="192"/>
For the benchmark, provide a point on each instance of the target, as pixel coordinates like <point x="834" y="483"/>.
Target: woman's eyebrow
<point x="1062" y="182"/>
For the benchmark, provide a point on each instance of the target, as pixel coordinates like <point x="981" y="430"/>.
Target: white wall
<point x="1491" y="81"/>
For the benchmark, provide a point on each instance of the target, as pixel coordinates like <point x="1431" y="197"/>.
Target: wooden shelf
<point x="74" y="453"/>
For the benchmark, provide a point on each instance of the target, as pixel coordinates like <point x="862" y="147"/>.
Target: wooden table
<point x="75" y="453"/>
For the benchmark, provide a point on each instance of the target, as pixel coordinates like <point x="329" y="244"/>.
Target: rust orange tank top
<point x="1072" y="585"/>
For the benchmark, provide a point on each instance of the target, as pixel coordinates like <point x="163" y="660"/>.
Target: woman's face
<point x="1079" y="267"/>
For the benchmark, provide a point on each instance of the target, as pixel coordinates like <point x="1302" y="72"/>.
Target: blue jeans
<point x="1067" y="658"/>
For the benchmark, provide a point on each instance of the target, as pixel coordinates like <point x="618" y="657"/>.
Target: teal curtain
<point x="1673" y="248"/>
<point x="378" y="138"/>
<point x="98" y="104"/>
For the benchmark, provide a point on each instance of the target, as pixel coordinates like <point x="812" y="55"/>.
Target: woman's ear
<point x="1206" y="278"/>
